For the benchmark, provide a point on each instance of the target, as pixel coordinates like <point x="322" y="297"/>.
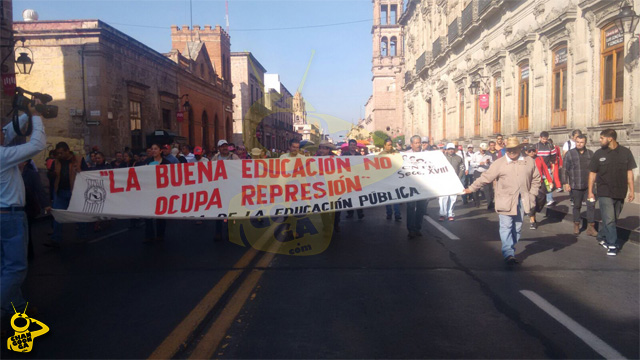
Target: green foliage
<point x="379" y="137"/>
<point x="400" y="138"/>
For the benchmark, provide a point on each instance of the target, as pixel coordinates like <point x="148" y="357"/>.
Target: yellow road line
<point x="170" y="346"/>
<point x="212" y="338"/>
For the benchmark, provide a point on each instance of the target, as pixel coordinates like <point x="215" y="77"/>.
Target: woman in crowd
<point x="128" y="159"/>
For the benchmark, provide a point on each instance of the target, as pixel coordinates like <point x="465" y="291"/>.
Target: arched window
<point x="612" y="74"/>
<point x="205" y="130"/>
<point x="559" y="85"/>
<point x="392" y="49"/>
<point x="523" y="97"/>
<point x="384" y="46"/>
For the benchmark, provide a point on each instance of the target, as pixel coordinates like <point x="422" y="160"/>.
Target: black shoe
<point x="412" y="235"/>
<point x="349" y="215"/>
<point x="612" y="251"/>
<point x="388" y="217"/>
<point x="360" y="216"/>
<point x="398" y="219"/>
<point x="491" y="206"/>
<point x="511" y="260"/>
<point x="533" y="226"/>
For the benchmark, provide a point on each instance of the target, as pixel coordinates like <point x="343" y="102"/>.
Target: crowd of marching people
<point x="556" y="168"/>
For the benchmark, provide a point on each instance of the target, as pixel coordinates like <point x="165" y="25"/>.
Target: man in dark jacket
<point x="576" y="170"/>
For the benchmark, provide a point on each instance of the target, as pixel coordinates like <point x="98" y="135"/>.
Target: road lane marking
<point x="585" y="335"/>
<point x="442" y="229"/>
<point x="180" y="335"/>
<point x="107" y="236"/>
<point x="212" y="338"/>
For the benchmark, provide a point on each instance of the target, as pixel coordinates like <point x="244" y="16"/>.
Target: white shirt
<point x="11" y="184"/>
<point x="568" y="145"/>
<point x="288" y="155"/>
<point x="190" y="157"/>
<point x="479" y="159"/>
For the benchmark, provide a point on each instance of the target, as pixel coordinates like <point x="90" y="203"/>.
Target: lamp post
<point x="186" y="107"/>
<point x="474" y="87"/>
<point x="627" y="20"/>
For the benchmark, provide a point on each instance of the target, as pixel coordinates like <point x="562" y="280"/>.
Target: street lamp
<point x="627" y="19"/>
<point x="186" y="106"/>
<point x="474" y="87"/>
<point x="24" y="63"/>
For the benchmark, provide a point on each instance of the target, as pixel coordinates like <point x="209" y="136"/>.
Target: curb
<point x="623" y="234"/>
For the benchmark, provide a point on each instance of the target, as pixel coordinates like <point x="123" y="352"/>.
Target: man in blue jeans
<point x="611" y="169"/>
<point x="13" y="220"/>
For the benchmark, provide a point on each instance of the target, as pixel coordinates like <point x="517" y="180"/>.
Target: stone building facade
<point x="299" y="109"/>
<point x="113" y="91"/>
<point x="383" y="110"/>
<point x="545" y="65"/>
<point x="249" y="107"/>
<point x="277" y="128"/>
<point x="6" y="51"/>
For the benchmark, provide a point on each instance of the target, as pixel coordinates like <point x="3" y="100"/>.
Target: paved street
<point x="372" y="294"/>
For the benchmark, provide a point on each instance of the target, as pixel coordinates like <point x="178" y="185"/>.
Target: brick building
<point x="113" y="91"/>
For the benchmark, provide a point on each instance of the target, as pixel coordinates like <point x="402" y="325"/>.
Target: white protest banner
<point x="244" y="189"/>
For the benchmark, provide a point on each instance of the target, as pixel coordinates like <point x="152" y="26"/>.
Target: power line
<point x="265" y="29"/>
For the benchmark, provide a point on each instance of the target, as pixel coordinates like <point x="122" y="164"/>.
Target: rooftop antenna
<point x="226" y="16"/>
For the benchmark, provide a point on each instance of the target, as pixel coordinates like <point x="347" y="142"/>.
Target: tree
<point x="379" y="137"/>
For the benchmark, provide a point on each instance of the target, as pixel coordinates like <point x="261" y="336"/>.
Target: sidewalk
<point x="628" y="223"/>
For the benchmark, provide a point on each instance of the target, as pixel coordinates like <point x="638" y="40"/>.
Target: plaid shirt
<point x="576" y="168"/>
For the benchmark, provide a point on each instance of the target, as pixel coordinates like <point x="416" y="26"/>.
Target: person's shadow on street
<point x="553" y="243"/>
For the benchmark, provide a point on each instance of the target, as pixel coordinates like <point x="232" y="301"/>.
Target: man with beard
<point x="611" y="169"/>
<point x="576" y="168"/>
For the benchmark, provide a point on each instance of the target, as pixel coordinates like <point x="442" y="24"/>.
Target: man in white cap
<point x="518" y="181"/>
<point x="447" y="202"/>
<point x="223" y="152"/>
<point x="425" y="143"/>
<point x="468" y="175"/>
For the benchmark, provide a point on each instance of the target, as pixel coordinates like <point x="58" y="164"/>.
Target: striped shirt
<point x="547" y="152"/>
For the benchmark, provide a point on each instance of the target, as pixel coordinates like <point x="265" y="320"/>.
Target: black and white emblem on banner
<point x="94" y="196"/>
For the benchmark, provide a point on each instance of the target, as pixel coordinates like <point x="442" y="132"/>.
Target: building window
<point x="393" y="47"/>
<point x="383" y="46"/>
<point x="523" y="98"/>
<point x="383" y="14"/>
<point x="559" y="88"/>
<point x="135" y="116"/>
<point x="444" y="118"/>
<point x="166" y="119"/>
<point x="611" y="74"/>
<point x="497" y="104"/>
<point x="476" y="117"/>
<point x="429" y="120"/>
<point x="393" y="14"/>
<point x="461" y="114"/>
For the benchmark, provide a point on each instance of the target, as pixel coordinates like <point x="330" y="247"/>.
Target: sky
<point x="338" y="82"/>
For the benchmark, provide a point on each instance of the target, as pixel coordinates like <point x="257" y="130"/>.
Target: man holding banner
<point x="517" y="184"/>
<point x="415" y="209"/>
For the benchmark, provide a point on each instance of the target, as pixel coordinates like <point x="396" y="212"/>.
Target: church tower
<point x="384" y="109"/>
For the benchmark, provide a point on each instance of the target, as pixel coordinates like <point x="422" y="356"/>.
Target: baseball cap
<point x="469" y="146"/>
<point x="166" y="147"/>
<point x="197" y="150"/>
<point x="484" y="146"/>
<point x="222" y="142"/>
<point x="425" y="139"/>
<point x="450" y="146"/>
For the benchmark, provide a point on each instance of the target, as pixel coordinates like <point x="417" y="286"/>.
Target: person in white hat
<point x="223" y="152"/>
<point x="480" y="161"/>
<point x="447" y="202"/>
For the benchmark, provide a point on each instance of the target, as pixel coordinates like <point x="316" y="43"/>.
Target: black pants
<point x="578" y="196"/>
<point x="155" y="228"/>
<point x="360" y="212"/>
<point x="487" y="190"/>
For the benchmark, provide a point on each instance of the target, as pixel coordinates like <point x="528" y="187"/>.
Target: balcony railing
<point x="483" y="5"/>
<point x="454" y="31"/>
<point x="421" y="62"/>
<point x="436" y="48"/>
<point x="467" y="16"/>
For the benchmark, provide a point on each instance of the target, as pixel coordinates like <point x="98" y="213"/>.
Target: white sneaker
<point x="550" y="203"/>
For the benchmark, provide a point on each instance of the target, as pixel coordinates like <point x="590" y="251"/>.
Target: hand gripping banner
<point x="242" y="189"/>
